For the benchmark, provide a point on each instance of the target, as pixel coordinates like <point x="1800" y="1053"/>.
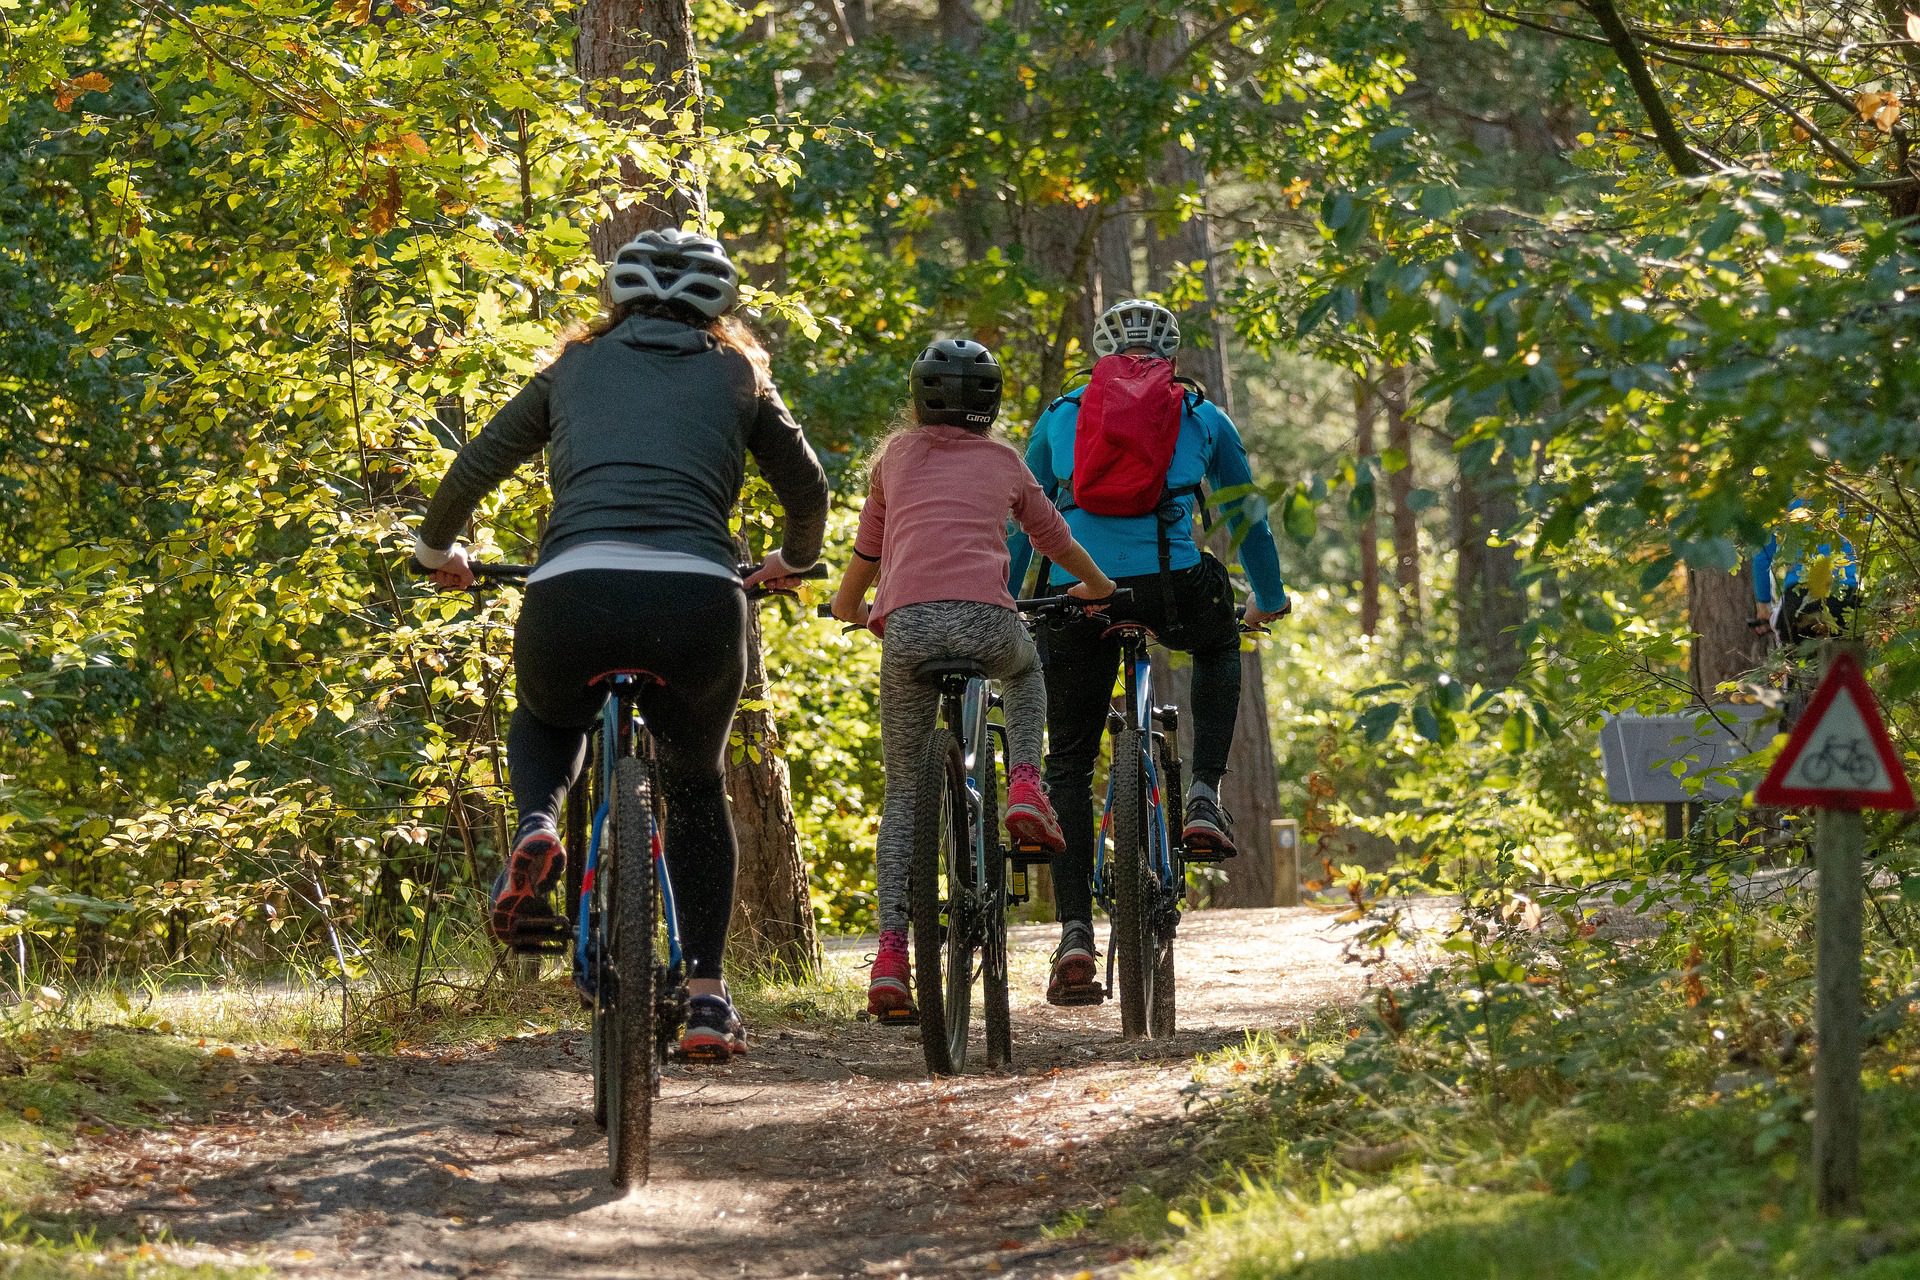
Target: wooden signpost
<point x="1838" y="760"/>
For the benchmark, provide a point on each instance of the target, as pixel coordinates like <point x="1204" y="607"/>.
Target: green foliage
<point x="1625" y="1097"/>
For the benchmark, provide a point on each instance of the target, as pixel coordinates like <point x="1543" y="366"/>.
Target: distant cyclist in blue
<point x="1796" y="617"/>
<point x="1179" y="590"/>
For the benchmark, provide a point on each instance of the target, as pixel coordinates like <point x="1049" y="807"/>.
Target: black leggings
<point x="690" y="630"/>
<point x="1080" y="666"/>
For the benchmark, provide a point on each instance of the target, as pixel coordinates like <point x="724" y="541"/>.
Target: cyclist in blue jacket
<point x="1189" y="603"/>
<point x="1796" y="616"/>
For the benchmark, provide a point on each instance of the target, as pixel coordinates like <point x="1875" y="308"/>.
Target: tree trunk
<point x="772" y="906"/>
<point x="1364" y="412"/>
<point x="1250" y="791"/>
<point x="1113" y="256"/>
<point x="1487" y="594"/>
<point x="773" y="910"/>
<point x="1406" y="521"/>
<point x="1725" y="648"/>
<point x="618" y="40"/>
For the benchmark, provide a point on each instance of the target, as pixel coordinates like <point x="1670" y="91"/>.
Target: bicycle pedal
<point x="1207" y="853"/>
<point x="1079" y="997"/>
<point x="899" y="1018"/>
<point x="539" y="935"/>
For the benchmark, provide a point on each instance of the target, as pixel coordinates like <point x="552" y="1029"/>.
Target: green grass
<point x="58" y="1083"/>
<point x="1631" y="1114"/>
<point x="1670" y="1196"/>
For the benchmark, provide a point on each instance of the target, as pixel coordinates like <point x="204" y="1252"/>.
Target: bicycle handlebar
<point x="1049" y="604"/>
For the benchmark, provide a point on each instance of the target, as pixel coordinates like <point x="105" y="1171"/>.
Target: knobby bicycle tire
<point x="586" y="795"/>
<point x="1133" y="890"/>
<point x="993" y="964"/>
<point x="939" y="855"/>
<point x="633" y="1066"/>
<point x="1162" y="1016"/>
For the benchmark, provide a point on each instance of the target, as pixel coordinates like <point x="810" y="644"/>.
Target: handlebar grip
<point x="823" y="610"/>
<point x="500" y="571"/>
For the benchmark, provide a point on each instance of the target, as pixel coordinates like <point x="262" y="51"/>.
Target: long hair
<point x="729" y="331"/>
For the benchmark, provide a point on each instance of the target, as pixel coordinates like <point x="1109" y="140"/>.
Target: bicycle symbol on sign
<point x="1847" y="758"/>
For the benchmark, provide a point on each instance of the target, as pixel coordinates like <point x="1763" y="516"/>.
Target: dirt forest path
<point x="827" y="1152"/>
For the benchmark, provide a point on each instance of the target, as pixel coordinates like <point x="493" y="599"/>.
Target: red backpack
<point x="1124" y="438"/>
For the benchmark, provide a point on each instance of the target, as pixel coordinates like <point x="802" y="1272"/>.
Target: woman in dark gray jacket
<point x="648" y="419"/>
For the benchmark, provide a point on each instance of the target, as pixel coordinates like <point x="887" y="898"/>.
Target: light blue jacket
<point x="1209" y="449"/>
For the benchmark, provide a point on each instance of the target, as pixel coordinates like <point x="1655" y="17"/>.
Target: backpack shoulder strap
<point x="1067" y="397"/>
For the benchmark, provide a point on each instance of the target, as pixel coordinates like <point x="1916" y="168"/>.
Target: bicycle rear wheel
<point x="993" y="959"/>
<point x="1161" y="1014"/>
<point x="938" y="883"/>
<point x="1134" y="888"/>
<point x="632" y="1069"/>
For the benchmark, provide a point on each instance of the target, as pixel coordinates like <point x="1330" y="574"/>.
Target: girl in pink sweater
<point x="934" y="532"/>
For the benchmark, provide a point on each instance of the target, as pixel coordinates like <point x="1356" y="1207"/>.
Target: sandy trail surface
<point x="826" y="1152"/>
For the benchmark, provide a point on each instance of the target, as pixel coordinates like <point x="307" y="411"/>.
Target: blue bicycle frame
<point x="619" y="722"/>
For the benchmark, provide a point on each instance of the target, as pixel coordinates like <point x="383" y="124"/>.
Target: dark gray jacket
<point x="649" y="427"/>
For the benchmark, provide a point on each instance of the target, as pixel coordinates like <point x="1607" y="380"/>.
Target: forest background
<point x="1535" y="321"/>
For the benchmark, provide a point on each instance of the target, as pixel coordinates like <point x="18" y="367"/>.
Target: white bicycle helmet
<point x="671" y="265"/>
<point x="1135" y="322"/>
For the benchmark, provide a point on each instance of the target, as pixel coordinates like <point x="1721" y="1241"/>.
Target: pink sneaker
<point x="1030" y="816"/>
<point x="890" y="989"/>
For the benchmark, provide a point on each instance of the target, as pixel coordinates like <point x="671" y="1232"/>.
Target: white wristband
<point x="432" y="557"/>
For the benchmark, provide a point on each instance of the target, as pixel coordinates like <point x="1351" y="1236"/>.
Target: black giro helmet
<point x="956" y="382"/>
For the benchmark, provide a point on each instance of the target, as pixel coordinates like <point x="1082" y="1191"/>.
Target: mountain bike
<point x="1141" y="861"/>
<point x="620" y="926"/>
<point x="958" y="878"/>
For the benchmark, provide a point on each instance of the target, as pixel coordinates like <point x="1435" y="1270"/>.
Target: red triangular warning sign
<point x="1839" y="755"/>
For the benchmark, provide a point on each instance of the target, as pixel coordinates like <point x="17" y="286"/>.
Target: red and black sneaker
<point x="1075" y="966"/>
<point x="714" y="1031"/>
<point x="1209" y="831"/>
<point x="520" y="894"/>
<point x="1030" y="817"/>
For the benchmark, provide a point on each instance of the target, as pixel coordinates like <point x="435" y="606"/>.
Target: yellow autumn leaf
<point x="304" y="1255"/>
<point x="31" y="1115"/>
<point x="224" y="1051"/>
<point x="414" y="143"/>
<point x="1818" y="579"/>
<point x="351" y="1059"/>
<point x="1888" y="115"/>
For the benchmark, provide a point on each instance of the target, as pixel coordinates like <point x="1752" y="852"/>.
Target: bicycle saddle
<point x="941" y="668"/>
<point x="1129" y="629"/>
<point x="640" y="676"/>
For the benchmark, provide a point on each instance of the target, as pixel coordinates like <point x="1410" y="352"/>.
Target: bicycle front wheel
<point x="938" y="884"/>
<point x="631" y="1066"/>
<point x="1134" y="887"/>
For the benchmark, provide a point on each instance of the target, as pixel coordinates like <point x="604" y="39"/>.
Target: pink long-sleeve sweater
<point x="936" y="518"/>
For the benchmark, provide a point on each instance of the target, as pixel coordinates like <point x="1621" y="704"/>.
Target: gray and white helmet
<point x="671" y="265"/>
<point x="1135" y="322"/>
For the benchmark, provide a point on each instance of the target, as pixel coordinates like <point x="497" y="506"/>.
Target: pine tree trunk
<point x="1364" y="413"/>
<point x="621" y="39"/>
<point x="1250" y="791"/>
<point x="1400" y="486"/>
<point x="772" y="906"/>
<point x="618" y="40"/>
<point x="1487" y="594"/>
<point x="1725" y="648"/>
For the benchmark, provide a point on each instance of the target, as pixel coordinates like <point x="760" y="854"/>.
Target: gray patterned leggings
<point x="995" y="637"/>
